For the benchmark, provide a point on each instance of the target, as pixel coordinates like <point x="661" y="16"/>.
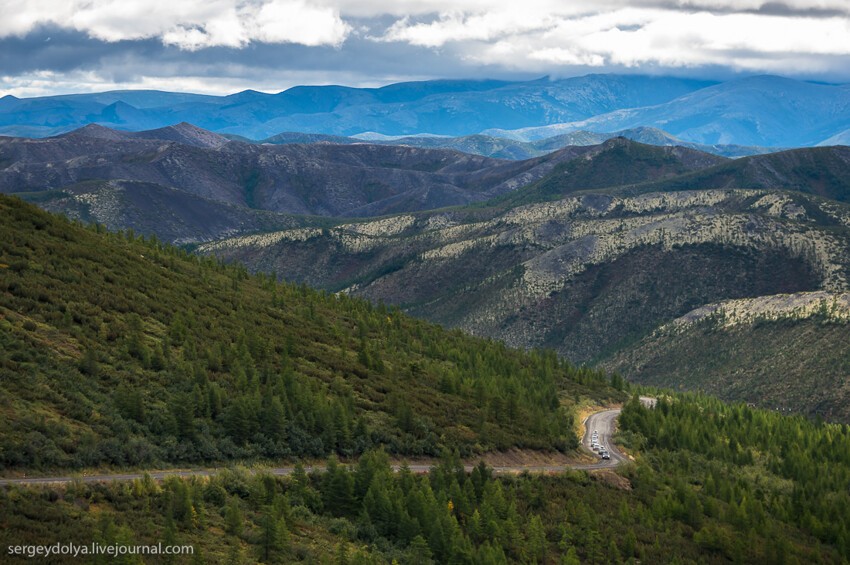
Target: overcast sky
<point x="224" y="46"/>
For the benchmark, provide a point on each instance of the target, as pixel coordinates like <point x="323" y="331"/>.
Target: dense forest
<point x="752" y="467"/>
<point x="117" y="350"/>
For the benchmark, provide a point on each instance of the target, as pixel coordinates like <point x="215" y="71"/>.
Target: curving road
<point x="603" y="422"/>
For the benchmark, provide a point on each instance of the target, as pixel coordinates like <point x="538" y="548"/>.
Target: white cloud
<point x="400" y="8"/>
<point x="632" y="37"/>
<point x="188" y="24"/>
<point x="547" y="36"/>
<point x="280" y="21"/>
<point x="740" y="5"/>
<point x="454" y="26"/>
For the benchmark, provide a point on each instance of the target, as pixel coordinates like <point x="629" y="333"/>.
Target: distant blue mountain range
<point x="761" y="110"/>
<point x="757" y="111"/>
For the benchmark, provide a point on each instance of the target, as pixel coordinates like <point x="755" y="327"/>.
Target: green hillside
<point x="821" y="171"/>
<point x="124" y="352"/>
<point x="616" y="162"/>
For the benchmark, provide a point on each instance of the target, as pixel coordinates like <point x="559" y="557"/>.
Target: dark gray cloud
<point x="76" y="58"/>
<point x="56" y="49"/>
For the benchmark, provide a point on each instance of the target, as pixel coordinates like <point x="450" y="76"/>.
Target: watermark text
<point x="85" y="550"/>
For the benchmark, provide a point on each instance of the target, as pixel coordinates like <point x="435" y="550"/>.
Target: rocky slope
<point x="586" y="275"/>
<point x="172" y="215"/>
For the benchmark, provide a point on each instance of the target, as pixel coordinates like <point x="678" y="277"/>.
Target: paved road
<point x="603" y="422"/>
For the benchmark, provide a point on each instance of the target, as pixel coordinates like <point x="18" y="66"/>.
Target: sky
<point x="224" y="46"/>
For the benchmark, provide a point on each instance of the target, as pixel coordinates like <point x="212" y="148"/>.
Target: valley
<point x="122" y="352"/>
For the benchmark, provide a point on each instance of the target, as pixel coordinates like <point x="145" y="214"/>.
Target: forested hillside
<point x="818" y="170"/>
<point x="116" y="350"/>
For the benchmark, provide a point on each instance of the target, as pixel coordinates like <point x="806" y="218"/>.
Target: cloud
<point x="812" y="8"/>
<point x="187" y="24"/>
<point x="456" y="26"/>
<point x="224" y="45"/>
<point x="72" y="62"/>
<point x="634" y="37"/>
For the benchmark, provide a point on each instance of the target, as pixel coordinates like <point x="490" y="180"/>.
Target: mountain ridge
<point x="308" y="179"/>
<point x="587" y="250"/>
<point x="557" y="273"/>
<point x="781" y="352"/>
<point x="505" y="148"/>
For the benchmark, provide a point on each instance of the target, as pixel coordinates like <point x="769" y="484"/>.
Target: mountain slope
<point x="785" y="352"/>
<point x="616" y="162"/>
<point x="303" y="179"/>
<point x="116" y="351"/>
<point x="308" y="179"/>
<point x="823" y="171"/>
<point x="505" y="148"/>
<point x="184" y="133"/>
<point x="171" y="215"/>
<point x="585" y="275"/>
<point x="761" y="111"/>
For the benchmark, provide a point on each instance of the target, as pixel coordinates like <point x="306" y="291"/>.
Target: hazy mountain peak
<point x="619" y="141"/>
<point x="185" y="133"/>
<point x="96" y="131"/>
<point x="246" y="95"/>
